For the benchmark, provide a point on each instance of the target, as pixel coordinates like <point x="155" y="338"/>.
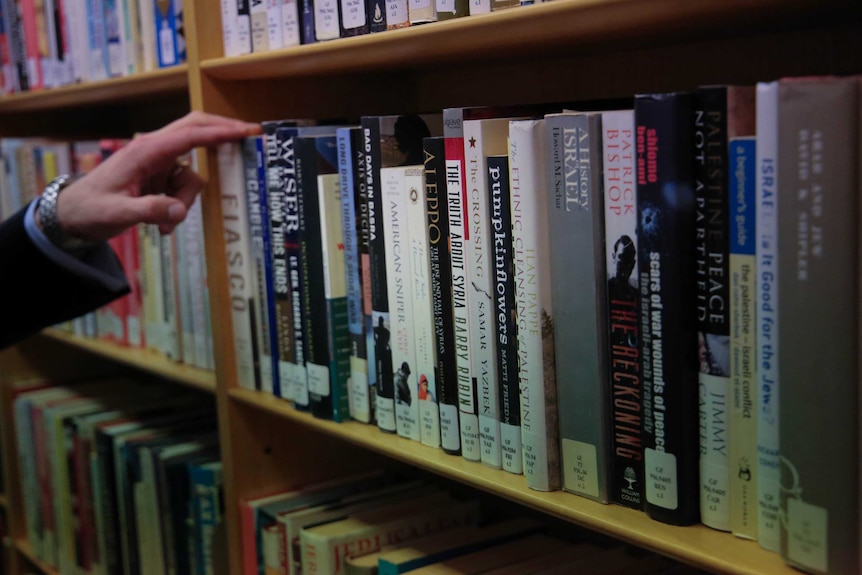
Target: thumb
<point x="164" y="211"/>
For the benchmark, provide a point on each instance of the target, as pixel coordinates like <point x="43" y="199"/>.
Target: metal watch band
<point x="49" y="220"/>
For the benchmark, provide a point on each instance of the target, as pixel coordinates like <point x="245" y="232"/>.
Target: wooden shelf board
<point x="164" y="81"/>
<point x="696" y="545"/>
<point x="511" y="33"/>
<point x="23" y="547"/>
<point x="143" y="359"/>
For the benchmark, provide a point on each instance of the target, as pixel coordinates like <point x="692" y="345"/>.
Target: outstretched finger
<point x="158" y="150"/>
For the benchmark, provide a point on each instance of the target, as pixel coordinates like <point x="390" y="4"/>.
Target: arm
<point x="142" y="183"/>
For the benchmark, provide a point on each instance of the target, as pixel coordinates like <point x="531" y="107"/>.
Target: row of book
<point x="119" y="477"/>
<point x="55" y="42"/>
<point x="167" y="309"/>
<point x="259" y="26"/>
<point x="376" y="524"/>
<point x="587" y="298"/>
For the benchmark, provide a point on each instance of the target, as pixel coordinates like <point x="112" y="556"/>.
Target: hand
<point x="144" y="182"/>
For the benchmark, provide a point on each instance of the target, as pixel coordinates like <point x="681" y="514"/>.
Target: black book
<point x="355" y="20"/>
<point x="666" y="263"/>
<point x="377" y="15"/>
<point x="306" y="16"/>
<point x="505" y="315"/>
<point x="441" y="292"/>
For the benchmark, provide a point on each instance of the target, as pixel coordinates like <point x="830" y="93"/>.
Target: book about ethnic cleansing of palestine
<point x="666" y="260"/>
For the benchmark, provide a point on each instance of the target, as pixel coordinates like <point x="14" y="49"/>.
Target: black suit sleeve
<point x="35" y="292"/>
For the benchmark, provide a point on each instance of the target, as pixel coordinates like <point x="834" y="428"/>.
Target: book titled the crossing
<point x="576" y="218"/>
<point x="666" y="261"/>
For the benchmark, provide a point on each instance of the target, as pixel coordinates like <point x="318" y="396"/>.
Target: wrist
<point x="48" y="221"/>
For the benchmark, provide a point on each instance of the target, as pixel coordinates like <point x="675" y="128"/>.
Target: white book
<point x="290" y="23"/>
<point x="396" y="186"/>
<point x="529" y="190"/>
<point x="195" y="258"/>
<point x="259" y="26"/>
<point x="184" y="287"/>
<point x="423" y="320"/>
<point x="235" y="217"/>
<point x="147" y="17"/>
<point x="326" y="21"/>
<point x="274" y="25"/>
<point x="229" y="32"/>
<point x="483" y="138"/>
<point x="76" y="25"/>
<point x="480" y="6"/>
<point x="768" y="465"/>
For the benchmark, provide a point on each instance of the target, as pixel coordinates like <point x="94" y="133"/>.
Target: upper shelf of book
<point x="523" y="31"/>
<point x="696" y="545"/>
<point x="157" y="82"/>
<point x="142" y="359"/>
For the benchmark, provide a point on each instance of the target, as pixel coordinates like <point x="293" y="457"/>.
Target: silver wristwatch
<point x="51" y="223"/>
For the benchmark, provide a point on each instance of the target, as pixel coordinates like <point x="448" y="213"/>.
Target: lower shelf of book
<point x="141" y="359"/>
<point x="696" y="545"/>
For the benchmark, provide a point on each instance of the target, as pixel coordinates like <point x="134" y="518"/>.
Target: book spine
<point x="423" y="318"/>
<point x="441" y="292"/>
<point x="17" y="45"/>
<point x="377" y="15"/>
<point x="768" y="465"/>
<point x="235" y="217"/>
<point x="259" y="26"/>
<point x="354" y="18"/>
<point x="35" y="77"/>
<point x="307" y="19"/>
<point x="113" y="38"/>
<point x="147" y="17"/>
<point x="449" y="9"/>
<point x="290" y="25"/>
<point x="421" y="11"/>
<point x="576" y="218"/>
<point x="480" y="288"/>
<point x="295" y="373"/>
<point x="230" y="46"/>
<point x="267" y="294"/>
<point x="396" y="186"/>
<point x="354" y="222"/>
<point x="625" y="390"/>
<point x="279" y="285"/>
<point x="505" y="313"/>
<point x="398" y="14"/>
<point x="666" y="260"/>
<point x="712" y="288"/>
<point x="743" y="314"/>
<point x="380" y="365"/>
<point x="536" y="370"/>
<point x="166" y="33"/>
<point x="274" y="23"/>
<point x="818" y="272"/>
<point x="327" y="21"/>
<point x="459" y="240"/>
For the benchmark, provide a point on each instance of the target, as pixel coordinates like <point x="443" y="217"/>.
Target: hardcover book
<point x="626" y="482"/>
<point x="576" y="220"/>
<point x="666" y="263"/>
<point x="712" y="287"/>
<point x="540" y="430"/>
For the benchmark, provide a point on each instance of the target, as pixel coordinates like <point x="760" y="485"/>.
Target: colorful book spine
<point x="625" y="390"/>
<point x="666" y="260"/>
<point x="712" y="287"/>
<point x="423" y="318"/>
<point x="459" y="241"/>
<point x="354" y="223"/>
<point x="576" y="219"/>
<point x="742" y="451"/>
<point x="818" y="362"/>
<point x="167" y="47"/>
<point x="235" y="218"/>
<point x="397" y="184"/>
<point x="536" y="368"/>
<point x="768" y="182"/>
<point x="504" y="312"/>
<point x="441" y="289"/>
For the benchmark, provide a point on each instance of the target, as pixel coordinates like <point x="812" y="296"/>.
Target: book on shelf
<point x="626" y="482"/>
<point x="742" y="448"/>
<point x="536" y="368"/>
<point x="575" y="205"/>
<point x="666" y="260"/>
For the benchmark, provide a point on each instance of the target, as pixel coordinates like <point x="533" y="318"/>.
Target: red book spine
<point x="31" y="42"/>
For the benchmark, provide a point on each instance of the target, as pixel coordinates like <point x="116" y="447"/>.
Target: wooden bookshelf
<point x="142" y="359"/>
<point x="23" y="548"/>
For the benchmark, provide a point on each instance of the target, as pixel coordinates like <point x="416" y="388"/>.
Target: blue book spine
<point x="205" y="492"/>
<point x="166" y="34"/>
<point x="308" y="34"/>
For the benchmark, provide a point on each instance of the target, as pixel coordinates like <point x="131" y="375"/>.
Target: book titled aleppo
<point x="505" y="315"/>
<point x="712" y="286"/>
<point x="324" y="296"/>
<point x="742" y="448"/>
<point x="666" y="262"/>
<point x="441" y="292"/>
<point x="540" y="430"/>
<point x="579" y="295"/>
<point x="625" y="388"/>
<point x="818" y="361"/>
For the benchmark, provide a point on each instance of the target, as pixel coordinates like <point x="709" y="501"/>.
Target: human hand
<point x="144" y="182"/>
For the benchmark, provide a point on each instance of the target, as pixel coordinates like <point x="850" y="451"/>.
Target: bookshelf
<point x="565" y="50"/>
